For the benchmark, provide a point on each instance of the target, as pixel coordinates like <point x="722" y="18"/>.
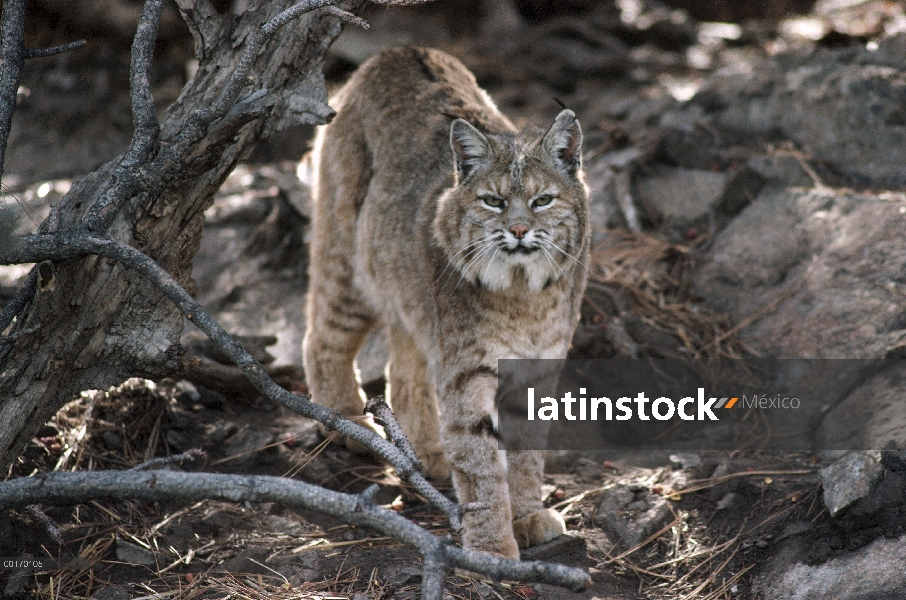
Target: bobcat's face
<point x="519" y="208"/>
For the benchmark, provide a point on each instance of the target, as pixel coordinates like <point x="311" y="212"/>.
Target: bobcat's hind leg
<point x="410" y="391"/>
<point x="338" y="324"/>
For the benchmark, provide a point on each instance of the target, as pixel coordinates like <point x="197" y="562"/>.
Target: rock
<point x="586" y="469"/>
<point x="186" y="392"/>
<point x="134" y="555"/>
<point x="782" y="169"/>
<point x="248" y="447"/>
<point x="218" y="431"/>
<point x="566" y="549"/>
<point x="681" y="198"/>
<point x="849" y="479"/>
<point x="632" y="514"/>
<point x="210" y="398"/>
<point x="248" y="562"/>
<point x="112" y="440"/>
<point x="112" y="592"/>
<point x="687" y="460"/>
<point x="15" y="585"/>
<point x="802" y="98"/>
<point x="283" y="525"/>
<point x="218" y="521"/>
<point x="402" y="574"/>
<point x="727" y="501"/>
<point x="871" y="416"/>
<point x="824" y="269"/>
<point x="794" y="529"/>
<point x="875" y="571"/>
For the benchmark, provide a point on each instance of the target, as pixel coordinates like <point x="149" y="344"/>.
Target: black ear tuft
<point x="471" y="148"/>
<point x="564" y="142"/>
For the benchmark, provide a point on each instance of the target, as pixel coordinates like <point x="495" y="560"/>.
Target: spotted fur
<point x="468" y="238"/>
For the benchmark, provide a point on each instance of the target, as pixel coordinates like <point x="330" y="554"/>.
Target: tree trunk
<point x="93" y="323"/>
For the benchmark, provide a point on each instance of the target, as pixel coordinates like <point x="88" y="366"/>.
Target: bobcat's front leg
<point x="478" y="467"/>
<point x="532" y="523"/>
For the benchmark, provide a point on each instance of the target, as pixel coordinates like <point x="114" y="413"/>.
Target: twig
<point x="711" y="577"/>
<point x="703" y="484"/>
<point x="54" y="50"/>
<point x="439" y="554"/>
<point x="49" y="526"/>
<point x="347" y="17"/>
<point x="434" y="573"/>
<point x="189" y="455"/>
<point x="385" y="418"/>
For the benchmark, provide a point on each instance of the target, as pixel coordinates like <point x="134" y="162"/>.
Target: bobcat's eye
<point x="542" y="201"/>
<point x="494" y="201"/>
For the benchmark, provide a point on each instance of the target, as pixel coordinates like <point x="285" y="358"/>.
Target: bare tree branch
<point x="439" y="554"/>
<point x="240" y="77"/>
<point x="385" y="418"/>
<point x="347" y="17"/>
<point x="177" y="459"/>
<point x="144" y="115"/>
<point x="54" y="50"/>
<point x="129" y="180"/>
<point x="12" y="55"/>
<point x="73" y="244"/>
<point x="160" y="206"/>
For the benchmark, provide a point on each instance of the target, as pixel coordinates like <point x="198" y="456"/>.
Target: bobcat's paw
<point x="436" y="466"/>
<point x="538" y="527"/>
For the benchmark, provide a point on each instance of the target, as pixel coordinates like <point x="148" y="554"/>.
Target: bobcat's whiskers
<point x="471" y="244"/>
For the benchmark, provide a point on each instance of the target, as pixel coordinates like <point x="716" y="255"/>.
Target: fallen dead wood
<point x="439" y="554"/>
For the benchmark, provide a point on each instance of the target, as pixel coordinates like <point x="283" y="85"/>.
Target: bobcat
<point x="468" y="239"/>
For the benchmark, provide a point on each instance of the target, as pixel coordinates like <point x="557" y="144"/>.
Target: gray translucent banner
<point x="799" y="405"/>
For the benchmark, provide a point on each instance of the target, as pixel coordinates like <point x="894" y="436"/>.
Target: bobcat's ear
<point x="564" y="142"/>
<point x="471" y="149"/>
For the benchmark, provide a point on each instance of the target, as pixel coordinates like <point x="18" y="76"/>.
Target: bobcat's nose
<point x="519" y="230"/>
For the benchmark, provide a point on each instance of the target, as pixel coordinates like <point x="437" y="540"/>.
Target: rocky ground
<point x="748" y="201"/>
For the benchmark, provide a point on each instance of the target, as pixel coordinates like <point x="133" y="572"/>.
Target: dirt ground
<point x="645" y="525"/>
<point x="713" y="533"/>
